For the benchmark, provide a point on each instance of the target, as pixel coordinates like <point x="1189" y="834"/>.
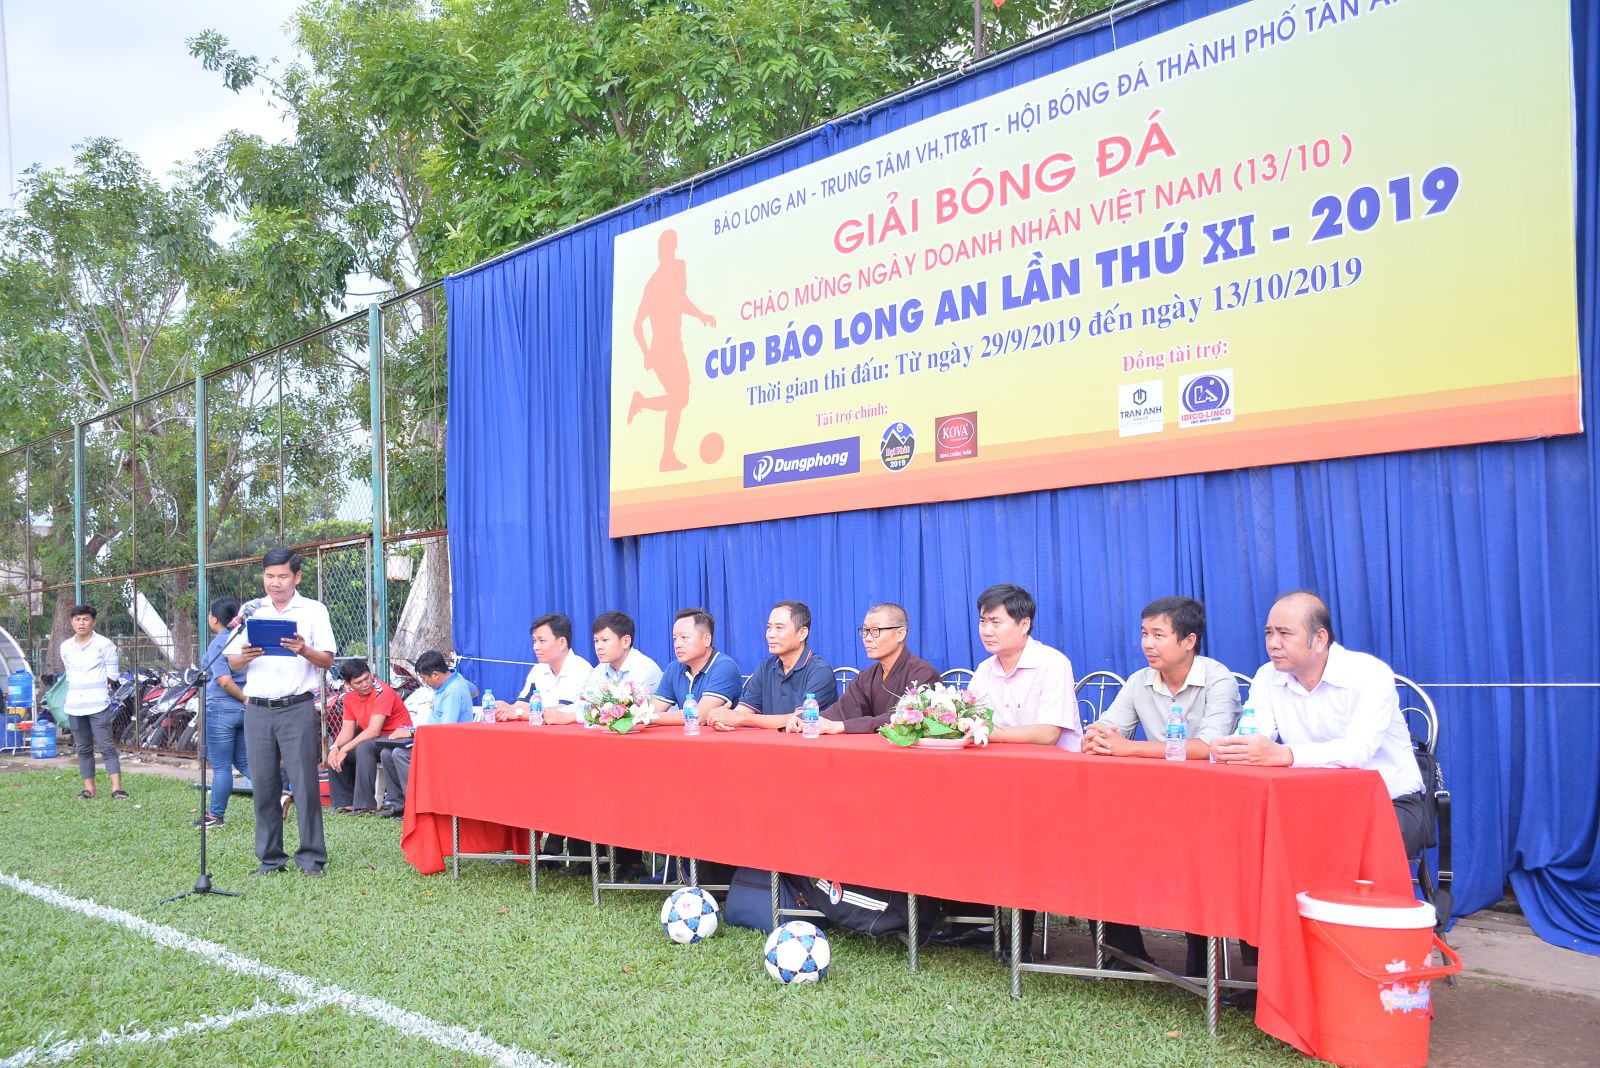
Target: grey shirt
<point x="1209" y="699"/>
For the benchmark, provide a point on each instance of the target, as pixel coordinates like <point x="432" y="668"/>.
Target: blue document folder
<point x="269" y="635"/>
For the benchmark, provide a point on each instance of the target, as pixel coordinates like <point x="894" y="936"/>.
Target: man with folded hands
<point x="869" y="700"/>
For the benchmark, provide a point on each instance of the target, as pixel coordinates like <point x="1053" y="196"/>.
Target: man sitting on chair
<point x="560" y="675"/>
<point x="1320" y="705"/>
<point x="702" y="672"/>
<point x="1030" y="687"/>
<point x="1169" y="631"/>
<point x="452" y="703"/>
<point x="779" y="686"/>
<point x="870" y="698"/>
<point x="371" y="711"/>
<point x="1027" y="683"/>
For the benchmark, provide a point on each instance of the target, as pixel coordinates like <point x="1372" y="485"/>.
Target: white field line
<point x="66" y="1049"/>
<point x="403" y="1020"/>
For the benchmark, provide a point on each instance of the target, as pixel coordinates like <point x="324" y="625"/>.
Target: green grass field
<point x="546" y="976"/>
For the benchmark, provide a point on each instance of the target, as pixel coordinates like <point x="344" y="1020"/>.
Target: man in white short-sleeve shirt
<point x="1320" y="705"/>
<point x="89" y="661"/>
<point x="560" y="676"/>
<point x="1027" y="683"/>
<point x="280" y="715"/>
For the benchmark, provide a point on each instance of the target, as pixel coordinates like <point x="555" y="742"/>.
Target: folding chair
<point x="1419" y="711"/>
<point x="843" y="676"/>
<point x="957" y="677"/>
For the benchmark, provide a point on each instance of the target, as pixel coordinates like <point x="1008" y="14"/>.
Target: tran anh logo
<point x="899" y="444"/>
<point x="801" y="462"/>
<point x="1207" y="398"/>
<point x="1139" y="409"/>
<point x="955" y="437"/>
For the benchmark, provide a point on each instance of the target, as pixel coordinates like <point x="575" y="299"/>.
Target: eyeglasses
<point x="873" y="632"/>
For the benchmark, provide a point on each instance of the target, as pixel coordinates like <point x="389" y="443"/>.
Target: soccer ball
<point x="689" y="915"/>
<point x="797" y="953"/>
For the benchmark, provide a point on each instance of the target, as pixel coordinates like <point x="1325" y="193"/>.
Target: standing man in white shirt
<point x="280" y="716"/>
<point x="90" y="661"/>
<point x="1320" y="705"/>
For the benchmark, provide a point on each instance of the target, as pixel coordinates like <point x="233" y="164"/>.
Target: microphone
<point x="250" y="608"/>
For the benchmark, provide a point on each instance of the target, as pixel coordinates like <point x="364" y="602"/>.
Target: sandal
<point x="119" y="795"/>
<point x="344" y="808"/>
<point x="84" y="795"/>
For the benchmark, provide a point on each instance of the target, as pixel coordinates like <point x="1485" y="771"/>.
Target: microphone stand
<point x="202" y="885"/>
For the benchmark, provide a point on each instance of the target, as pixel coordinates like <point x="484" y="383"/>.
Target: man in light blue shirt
<point x="452" y="703"/>
<point x="615" y="656"/>
<point x="452" y="693"/>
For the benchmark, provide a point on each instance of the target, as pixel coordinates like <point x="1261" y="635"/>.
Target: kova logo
<point x="801" y="462"/>
<point x="955" y="437"/>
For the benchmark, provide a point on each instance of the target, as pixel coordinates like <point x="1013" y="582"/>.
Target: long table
<point x="1215" y="850"/>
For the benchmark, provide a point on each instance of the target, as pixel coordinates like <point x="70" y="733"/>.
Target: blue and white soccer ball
<point x="797" y="953"/>
<point x="689" y="915"/>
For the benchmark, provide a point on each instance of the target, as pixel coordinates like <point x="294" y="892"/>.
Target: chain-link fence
<point x="328" y="443"/>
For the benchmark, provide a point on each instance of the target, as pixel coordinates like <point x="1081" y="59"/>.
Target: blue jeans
<point x="225" y="750"/>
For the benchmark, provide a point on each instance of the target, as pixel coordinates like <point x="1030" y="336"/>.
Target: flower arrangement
<point x="939" y="711"/>
<point x="618" y="706"/>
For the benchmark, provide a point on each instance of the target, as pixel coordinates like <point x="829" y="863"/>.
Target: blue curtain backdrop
<point x="1458" y="566"/>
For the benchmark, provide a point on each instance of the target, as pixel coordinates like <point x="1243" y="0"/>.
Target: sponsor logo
<point x="955" y="437"/>
<point x="899" y="444"/>
<point x="1207" y="398"/>
<point x="1140" y="409"/>
<point x="800" y="462"/>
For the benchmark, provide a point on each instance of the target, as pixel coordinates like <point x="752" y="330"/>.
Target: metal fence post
<point x="77" y="513"/>
<point x="200" y="503"/>
<point x="378" y="604"/>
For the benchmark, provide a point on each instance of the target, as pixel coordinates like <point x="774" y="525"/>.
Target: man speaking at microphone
<point x="280" y="715"/>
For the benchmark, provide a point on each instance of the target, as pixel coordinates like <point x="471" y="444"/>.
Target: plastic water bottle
<point x="536" y="708"/>
<point x="1247" y="723"/>
<point x="691" y="718"/>
<point x="1177" y="735"/>
<point x="809" y="727"/>
<point x="488" y="706"/>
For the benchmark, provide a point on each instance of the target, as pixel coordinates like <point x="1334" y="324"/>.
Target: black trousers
<point x="291" y="736"/>
<point x="1412" y="813"/>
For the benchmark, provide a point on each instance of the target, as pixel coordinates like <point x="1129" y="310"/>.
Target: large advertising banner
<point x="1280" y="233"/>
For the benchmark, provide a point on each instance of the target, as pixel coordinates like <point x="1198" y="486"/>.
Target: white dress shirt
<point x="88" y="666"/>
<point x="636" y="667"/>
<point x="1350" y="719"/>
<point x="1038" y="690"/>
<point x="269" y="678"/>
<point x="558" y="688"/>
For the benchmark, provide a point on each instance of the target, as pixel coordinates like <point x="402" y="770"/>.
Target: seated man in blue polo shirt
<point x="709" y="676"/>
<point x="780" y="684"/>
<point x="452" y="703"/>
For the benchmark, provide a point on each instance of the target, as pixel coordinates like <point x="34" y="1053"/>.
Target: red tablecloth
<point x="1194" y="846"/>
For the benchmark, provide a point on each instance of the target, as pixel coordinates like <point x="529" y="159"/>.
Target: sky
<point x="84" y="68"/>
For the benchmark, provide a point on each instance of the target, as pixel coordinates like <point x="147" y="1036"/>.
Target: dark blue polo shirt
<point x="773" y="692"/>
<point x="720" y="677"/>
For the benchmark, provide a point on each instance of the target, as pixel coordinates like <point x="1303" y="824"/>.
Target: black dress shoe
<point x="315" y="873"/>
<point x="391" y="813"/>
<point x="1240" y="999"/>
<point x="265" y="870"/>
<point x="964" y="936"/>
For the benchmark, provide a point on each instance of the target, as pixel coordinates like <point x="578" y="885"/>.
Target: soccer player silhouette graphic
<point x="663" y="305"/>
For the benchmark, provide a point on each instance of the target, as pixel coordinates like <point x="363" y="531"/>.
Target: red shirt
<point x="383" y="701"/>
